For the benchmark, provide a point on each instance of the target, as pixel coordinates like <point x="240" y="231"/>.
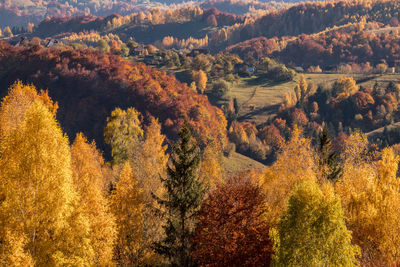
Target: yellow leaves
<point x="12" y="250"/>
<point x="122" y="132"/>
<point x="387" y="168"/>
<point x="355" y="148"/>
<point x="40" y="201"/>
<point x="210" y="167"/>
<point x="16" y="103"/>
<point x="200" y="78"/>
<point x="87" y="166"/>
<point x="371" y="200"/>
<point x="127" y="205"/>
<point x="344" y="88"/>
<point x="296" y="163"/>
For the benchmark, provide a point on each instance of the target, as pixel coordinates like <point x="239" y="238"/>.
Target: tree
<point x="144" y="150"/>
<point x="7" y="32"/>
<point x="88" y="174"/>
<point x="344" y="88"/>
<point x="30" y="27"/>
<point x="115" y="48"/>
<point x="231" y="230"/>
<point x="15" y="104"/>
<point x="184" y="194"/>
<point x="220" y="88"/>
<point x="127" y="205"/>
<point x="381" y="68"/>
<point x="371" y="200"/>
<point x="40" y="201"/>
<point x="122" y="133"/>
<point x="149" y="165"/>
<point x="312" y="232"/>
<point x="210" y="166"/>
<point x="200" y="78"/>
<point x="295" y="164"/>
<point x="328" y="159"/>
<point x="103" y="46"/>
<point x="212" y="21"/>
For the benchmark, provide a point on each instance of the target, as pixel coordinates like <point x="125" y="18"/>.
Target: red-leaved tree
<point x="231" y="231"/>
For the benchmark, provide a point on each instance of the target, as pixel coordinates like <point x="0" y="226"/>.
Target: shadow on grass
<point x="262" y="81"/>
<point x="268" y="109"/>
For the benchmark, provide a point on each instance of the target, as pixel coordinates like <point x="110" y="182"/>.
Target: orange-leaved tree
<point x="231" y="230"/>
<point x="371" y="200"/>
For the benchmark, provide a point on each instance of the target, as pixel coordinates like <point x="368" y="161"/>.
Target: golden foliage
<point x="371" y="200"/>
<point x="296" y="163"/>
<point x="12" y="250"/>
<point x="18" y="100"/>
<point x="40" y="201"/>
<point x="344" y="88"/>
<point x="210" y="167"/>
<point x="87" y="170"/>
<point x="149" y="165"/>
<point x="200" y="78"/>
<point x="122" y="133"/>
<point x="127" y="206"/>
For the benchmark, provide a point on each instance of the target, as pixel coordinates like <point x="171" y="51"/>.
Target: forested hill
<point x="309" y="18"/>
<point x="88" y="86"/>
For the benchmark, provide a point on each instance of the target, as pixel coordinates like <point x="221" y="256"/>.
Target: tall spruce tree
<point x="182" y="200"/>
<point x="328" y="159"/>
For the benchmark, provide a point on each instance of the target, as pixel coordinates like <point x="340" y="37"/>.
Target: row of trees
<point x="64" y="205"/>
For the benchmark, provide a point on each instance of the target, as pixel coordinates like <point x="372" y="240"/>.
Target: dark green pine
<point x="184" y="195"/>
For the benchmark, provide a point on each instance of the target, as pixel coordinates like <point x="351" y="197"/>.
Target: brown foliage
<point x="231" y="231"/>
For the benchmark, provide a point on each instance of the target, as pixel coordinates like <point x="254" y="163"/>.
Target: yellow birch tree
<point x="87" y="166"/>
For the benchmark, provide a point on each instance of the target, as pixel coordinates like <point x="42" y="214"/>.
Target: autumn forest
<point x="199" y="133"/>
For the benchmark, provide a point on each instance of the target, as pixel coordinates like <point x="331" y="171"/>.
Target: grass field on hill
<point x="259" y="100"/>
<point x="238" y="163"/>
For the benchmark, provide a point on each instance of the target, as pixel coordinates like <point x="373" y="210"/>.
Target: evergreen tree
<point x="328" y="159"/>
<point x="184" y="195"/>
<point x="236" y="106"/>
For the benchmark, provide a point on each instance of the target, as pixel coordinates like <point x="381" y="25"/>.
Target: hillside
<point x="88" y="86"/>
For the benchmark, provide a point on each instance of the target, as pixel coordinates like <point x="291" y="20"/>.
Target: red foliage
<point x="222" y="19"/>
<point x="231" y="231"/>
<point x="363" y="100"/>
<point x="299" y="117"/>
<point x="255" y="48"/>
<point x="271" y="135"/>
<point x="89" y="85"/>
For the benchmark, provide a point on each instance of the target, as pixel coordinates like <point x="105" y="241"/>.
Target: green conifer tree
<point x="328" y="159"/>
<point x="184" y="194"/>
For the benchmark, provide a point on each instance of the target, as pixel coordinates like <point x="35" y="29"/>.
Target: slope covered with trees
<point x="88" y="86"/>
<point x="55" y="197"/>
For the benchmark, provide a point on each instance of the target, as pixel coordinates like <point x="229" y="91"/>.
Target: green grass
<point x="260" y="100"/>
